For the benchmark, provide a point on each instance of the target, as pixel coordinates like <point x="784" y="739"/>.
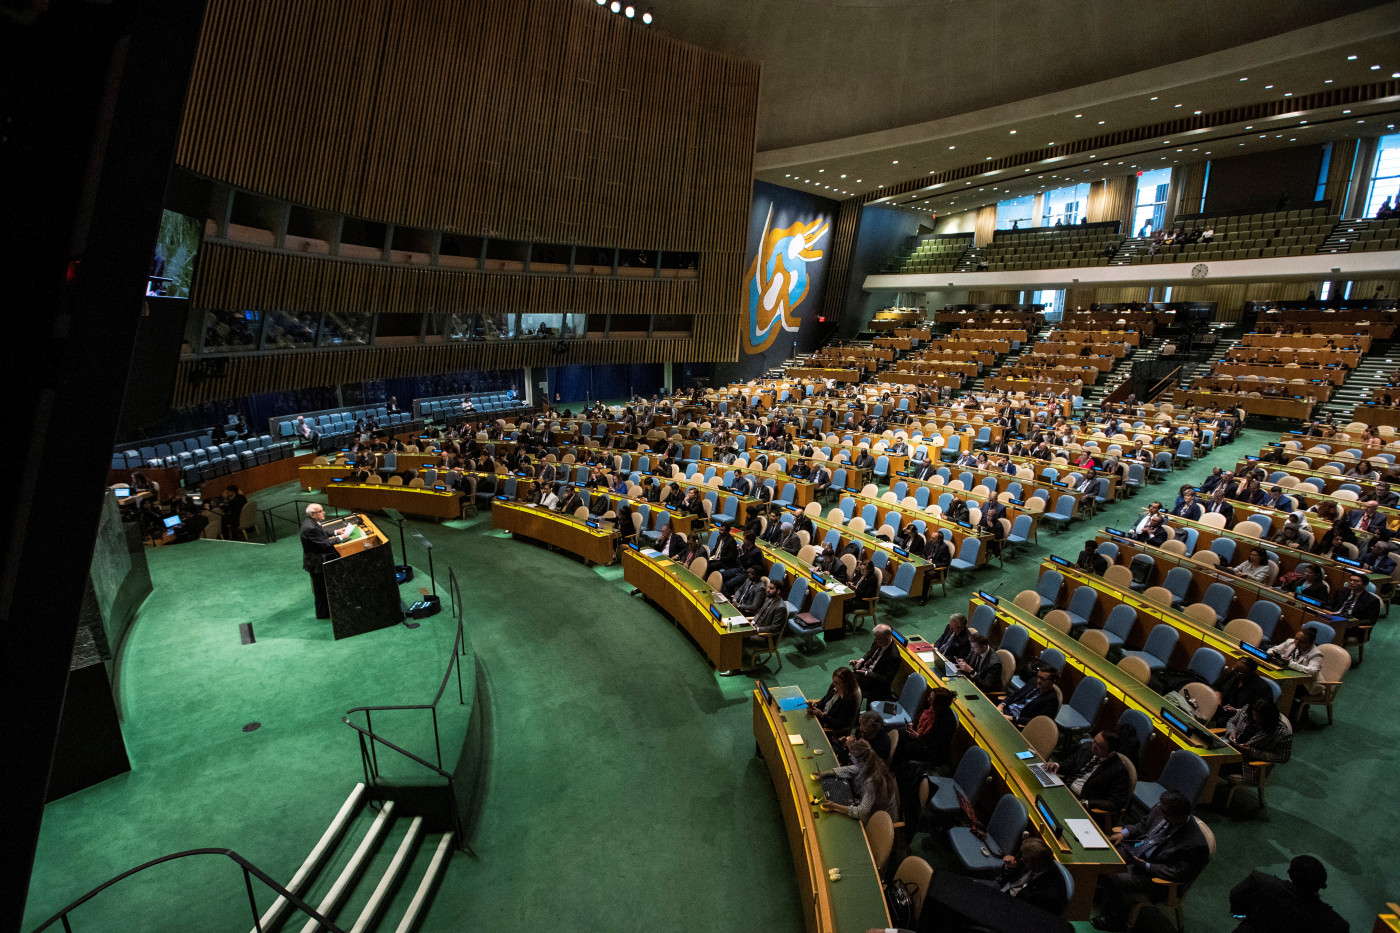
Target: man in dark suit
<point x="876" y="668"/>
<point x="821" y="479"/>
<point x="1367" y="519"/>
<point x="928" y="471"/>
<point x="1218" y="503"/>
<point x="316" y="548"/>
<point x="1167" y="845"/>
<point x="1096" y="774"/>
<point x="1032" y="877"/>
<point x="981" y="666"/>
<point x="1272" y="905"/>
<point x="1036" y="698"/>
<point x="742" y="484"/>
<point x="771" y="619"/>
<point x="1353" y="602"/>
<point x="954" y="641"/>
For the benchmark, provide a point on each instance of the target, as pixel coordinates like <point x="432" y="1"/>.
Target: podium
<point x="361" y="585"/>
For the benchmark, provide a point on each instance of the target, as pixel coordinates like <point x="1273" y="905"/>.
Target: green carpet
<point x="623" y="795"/>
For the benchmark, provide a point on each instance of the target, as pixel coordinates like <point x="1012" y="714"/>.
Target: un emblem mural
<point x="777" y="279"/>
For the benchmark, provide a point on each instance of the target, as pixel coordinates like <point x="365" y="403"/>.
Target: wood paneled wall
<point x="270" y="372"/>
<point x="550" y="121"/>
<point x="838" y="267"/>
<point x="244" y="277"/>
<point x="547" y="120"/>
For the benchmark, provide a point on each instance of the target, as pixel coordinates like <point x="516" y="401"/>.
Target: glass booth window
<point x="345" y="329"/>
<point x="1385" y="180"/>
<point x="1064" y="206"/>
<point x="231" y="331"/>
<point x="1016" y="211"/>
<point x="1151" y="209"/>
<point x="285" y="331"/>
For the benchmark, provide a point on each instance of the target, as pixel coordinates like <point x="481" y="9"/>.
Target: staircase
<point x="355" y="874"/>
<point x="969" y="260"/>
<point x="1343" y="236"/>
<point x="1369" y="375"/>
<point x="1132" y="246"/>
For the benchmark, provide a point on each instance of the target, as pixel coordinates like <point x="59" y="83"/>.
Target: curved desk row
<point x="979" y="723"/>
<point x="594" y="543"/>
<point x="822" y="842"/>
<point x="425" y="503"/>
<point x="1192" y="634"/>
<point x="1124" y="692"/>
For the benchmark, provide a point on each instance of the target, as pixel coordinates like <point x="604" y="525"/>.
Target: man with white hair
<point x="316" y="549"/>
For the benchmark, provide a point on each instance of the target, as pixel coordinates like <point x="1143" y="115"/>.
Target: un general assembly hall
<point x="723" y="466"/>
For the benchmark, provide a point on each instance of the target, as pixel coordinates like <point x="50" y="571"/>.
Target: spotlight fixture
<point x="615" y="6"/>
<point x="647" y="17"/>
<point x="630" y="11"/>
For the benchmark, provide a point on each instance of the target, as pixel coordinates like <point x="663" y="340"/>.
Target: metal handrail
<point x="371" y="767"/>
<point x="1159" y="387"/>
<point x="249" y="870"/>
<point x="458" y="651"/>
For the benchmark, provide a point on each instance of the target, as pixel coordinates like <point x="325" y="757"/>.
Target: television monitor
<point x="172" y="521"/>
<point x="172" y="264"/>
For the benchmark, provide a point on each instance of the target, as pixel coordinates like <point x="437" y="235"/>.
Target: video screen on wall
<point x="172" y="266"/>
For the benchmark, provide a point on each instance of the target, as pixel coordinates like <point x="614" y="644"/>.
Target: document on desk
<point x="1087" y="832"/>
<point x="928" y="657"/>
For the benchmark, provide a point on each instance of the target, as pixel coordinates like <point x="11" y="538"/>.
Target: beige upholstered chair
<point x="1042" y="734"/>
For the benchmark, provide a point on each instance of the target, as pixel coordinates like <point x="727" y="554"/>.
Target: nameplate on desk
<point x="1059" y="560"/>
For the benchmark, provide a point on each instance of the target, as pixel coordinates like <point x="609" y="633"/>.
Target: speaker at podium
<point x="362" y="586"/>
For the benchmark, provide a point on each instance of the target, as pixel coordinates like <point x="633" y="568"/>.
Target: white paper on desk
<point x="1087" y="832"/>
<point x="928" y="657"/>
<point x="795" y="739"/>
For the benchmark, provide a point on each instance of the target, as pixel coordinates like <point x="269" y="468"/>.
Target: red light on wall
<point x="71" y="275"/>
<point x="1139" y="174"/>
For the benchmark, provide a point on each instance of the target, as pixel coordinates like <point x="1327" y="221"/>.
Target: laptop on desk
<point x="838" y="790"/>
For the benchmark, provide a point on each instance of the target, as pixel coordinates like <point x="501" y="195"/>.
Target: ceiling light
<point x="1328" y="81"/>
<point x="820" y="170"/>
<point x="647" y="17"/>
<point x="843" y="176"/>
<point x="615" y="6"/>
<point x="895" y="162"/>
<point x="1395" y="74"/>
<point x="630" y="11"/>
<point x="1289" y="94"/>
<point x="1078" y="115"/>
<point x="1351" y="58"/>
<point x="1198" y="113"/>
<point x="1244" y="79"/>
<point x="1375" y="67"/>
<point x="1100" y="123"/>
<point x="1013" y="132"/>
<point x="1268" y="87"/>
<point x="1151" y="98"/>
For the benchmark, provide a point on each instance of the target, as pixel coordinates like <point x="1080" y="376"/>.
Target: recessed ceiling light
<point x="1268" y="87"/>
<point x="1151" y="98"/>
<point x="1328" y="81"/>
<point x="1013" y="132"/>
<point x="1244" y="79"/>
<point x="895" y="162"/>
<point x="952" y="147"/>
<point x="1078" y="115"/>
<point x="843" y="176"/>
<point x="1174" y="106"/>
<point x="1375" y="67"/>
<point x="787" y="175"/>
<point x="1198" y="113"/>
<point x="1288" y="94"/>
<point x="1395" y="74"/>
<point x="879" y="186"/>
<point x="1100" y="123"/>
<point x="820" y="170"/>
<point x="1351" y="58"/>
<point x="857" y="181"/>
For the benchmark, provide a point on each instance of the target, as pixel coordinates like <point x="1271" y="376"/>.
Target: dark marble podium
<point x="361" y="585"/>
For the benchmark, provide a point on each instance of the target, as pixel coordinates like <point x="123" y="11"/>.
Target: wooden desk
<point x="811" y="372"/>
<point x="1124" y="692"/>
<point x="1388" y="920"/>
<point x="594" y="545"/>
<point x="1335" y="375"/>
<point x="979" y="723"/>
<point x="425" y="503"/>
<point x="1291" y="408"/>
<point x="1192" y="634"/>
<point x="688" y="600"/>
<point x="1376" y="415"/>
<point x="820" y="841"/>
